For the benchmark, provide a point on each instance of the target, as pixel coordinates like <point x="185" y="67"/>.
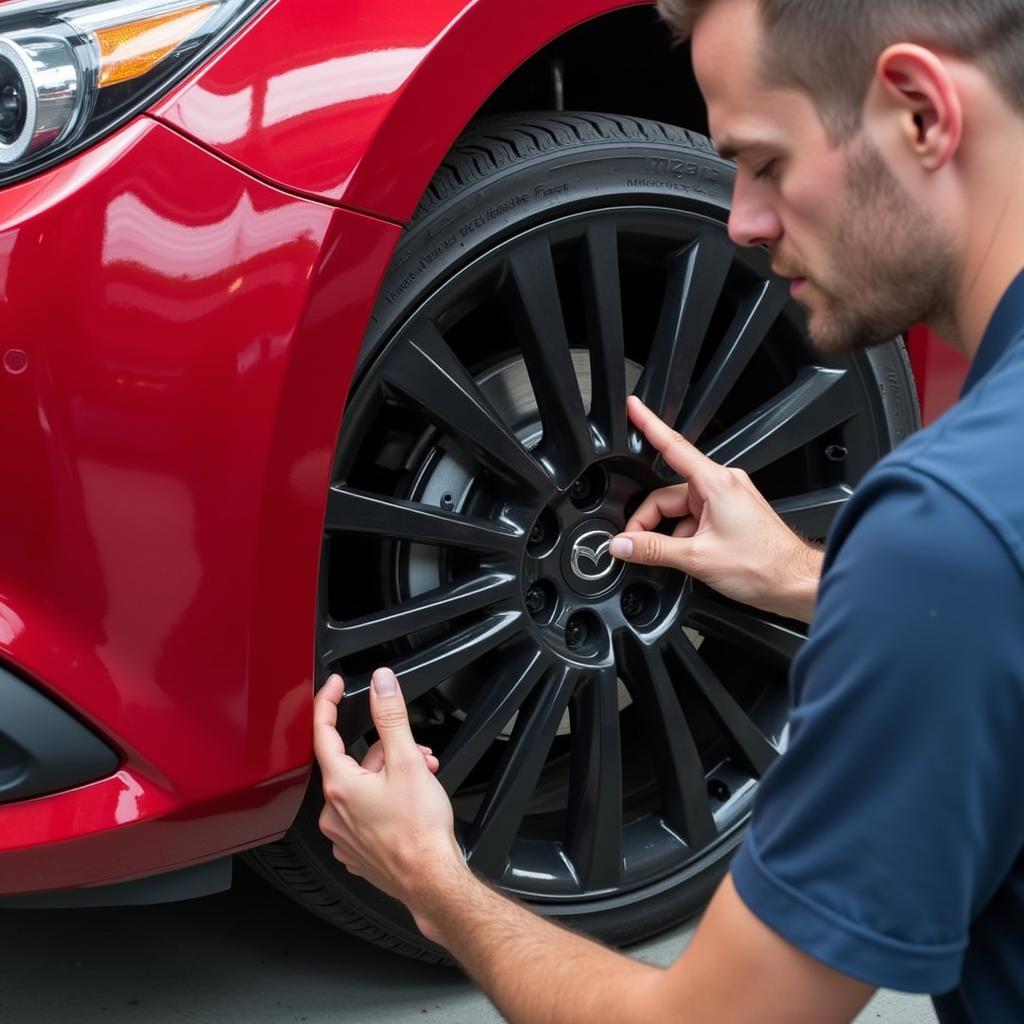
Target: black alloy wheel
<point x="601" y="728"/>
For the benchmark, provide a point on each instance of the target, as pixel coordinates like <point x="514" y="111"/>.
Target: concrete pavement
<point x="248" y="957"/>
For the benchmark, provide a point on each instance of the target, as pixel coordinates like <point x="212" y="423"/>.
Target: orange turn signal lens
<point x="132" y="49"/>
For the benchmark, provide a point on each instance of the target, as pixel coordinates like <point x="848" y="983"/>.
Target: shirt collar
<point x="1005" y="327"/>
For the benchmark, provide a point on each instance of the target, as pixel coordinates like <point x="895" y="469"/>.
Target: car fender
<point x="362" y="111"/>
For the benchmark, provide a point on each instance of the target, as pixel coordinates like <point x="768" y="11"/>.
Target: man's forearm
<point x="533" y="970"/>
<point x="797" y="593"/>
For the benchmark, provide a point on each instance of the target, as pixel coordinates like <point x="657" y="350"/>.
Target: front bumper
<point x="176" y="343"/>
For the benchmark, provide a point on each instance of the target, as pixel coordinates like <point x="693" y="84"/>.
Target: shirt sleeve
<point x="895" y="812"/>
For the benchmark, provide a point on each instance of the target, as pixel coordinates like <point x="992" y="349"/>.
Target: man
<point x="879" y="146"/>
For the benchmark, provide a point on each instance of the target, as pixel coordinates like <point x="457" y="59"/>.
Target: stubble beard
<point x="892" y="266"/>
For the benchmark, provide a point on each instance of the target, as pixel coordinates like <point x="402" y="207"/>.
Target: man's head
<point x="846" y="119"/>
<point x="829" y="50"/>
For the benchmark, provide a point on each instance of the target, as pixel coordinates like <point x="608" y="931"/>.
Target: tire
<point x="601" y="738"/>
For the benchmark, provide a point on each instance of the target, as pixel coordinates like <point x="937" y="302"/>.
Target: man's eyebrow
<point x="733" y="149"/>
<point x="728" y="149"/>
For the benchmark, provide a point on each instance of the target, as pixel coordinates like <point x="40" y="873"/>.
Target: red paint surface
<point x="362" y="110"/>
<point x="190" y="335"/>
<point x="939" y="371"/>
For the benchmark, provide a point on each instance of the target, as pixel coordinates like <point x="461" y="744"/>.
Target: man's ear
<point x="914" y="85"/>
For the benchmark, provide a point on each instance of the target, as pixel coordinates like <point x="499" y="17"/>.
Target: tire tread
<point x="282" y="865"/>
<point x="495" y="144"/>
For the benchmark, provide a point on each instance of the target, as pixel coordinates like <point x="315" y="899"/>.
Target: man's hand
<point x="388" y="819"/>
<point x="727" y="536"/>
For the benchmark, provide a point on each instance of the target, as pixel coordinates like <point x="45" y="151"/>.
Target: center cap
<point x="587" y="562"/>
<point x="590" y="557"/>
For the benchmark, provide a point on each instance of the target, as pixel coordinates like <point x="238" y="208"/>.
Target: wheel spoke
<point x="432" y="609"/>
<point x="695" y="280"/>
<point x="750" y="326"/>
<point x="426" y="371"/>
<point x="812" y="514"/>
<point x="818" y="401"/>
<point x="421" y="671"/>
<point x="490" y="714"/>
<point x="603" y="301"/>
<point x="351" y="511"/>
<point x="678" y="764"/>
<point x="498" y="820"/>
<point x="747" y="628"/>
<point x="751" y="743"/>
<point x="594" y="836"/>
<point x="567" y="443"/>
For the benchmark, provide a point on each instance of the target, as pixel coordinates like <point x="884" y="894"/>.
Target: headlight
<point x="72" y="72"/>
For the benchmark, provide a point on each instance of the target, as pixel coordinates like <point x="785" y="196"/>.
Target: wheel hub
<point x="574" y="589"/>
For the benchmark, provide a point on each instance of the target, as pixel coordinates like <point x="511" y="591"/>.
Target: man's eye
<point x="766" y="171"/>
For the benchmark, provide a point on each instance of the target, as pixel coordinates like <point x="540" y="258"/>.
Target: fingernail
<point x="621" y="547"/>
<point x="384" y="683"/>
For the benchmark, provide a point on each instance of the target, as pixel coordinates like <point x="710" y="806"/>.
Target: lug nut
<point x="543" y="533"/>
<point x="632" y="603"/>
<point x="587" y="489"/>
<point x="535" y="600"/>
<point x="718" y="790"/>
<point x="580" y="489"/>
<point x="575" y="633"/>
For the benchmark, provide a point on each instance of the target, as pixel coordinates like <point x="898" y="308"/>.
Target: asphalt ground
<point x="249" y="956"/>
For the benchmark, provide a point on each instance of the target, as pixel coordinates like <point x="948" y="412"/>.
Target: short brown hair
<point x="828" y="48"/>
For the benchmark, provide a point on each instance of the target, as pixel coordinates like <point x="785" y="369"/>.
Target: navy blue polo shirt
<point x="888" y="841"/>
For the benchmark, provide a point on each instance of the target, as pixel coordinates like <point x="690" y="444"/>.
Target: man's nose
<point x="752" y="222"/>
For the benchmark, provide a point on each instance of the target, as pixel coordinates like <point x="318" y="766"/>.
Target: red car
<point x="317" y="325"/>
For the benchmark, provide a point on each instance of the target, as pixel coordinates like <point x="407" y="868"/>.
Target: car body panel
<point x="939" y="371"/>
<point x="362" y="111"/>
<point x="188" y="335"/>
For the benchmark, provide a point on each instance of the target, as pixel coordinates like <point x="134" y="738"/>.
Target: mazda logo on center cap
<point x="591" y="557"/>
